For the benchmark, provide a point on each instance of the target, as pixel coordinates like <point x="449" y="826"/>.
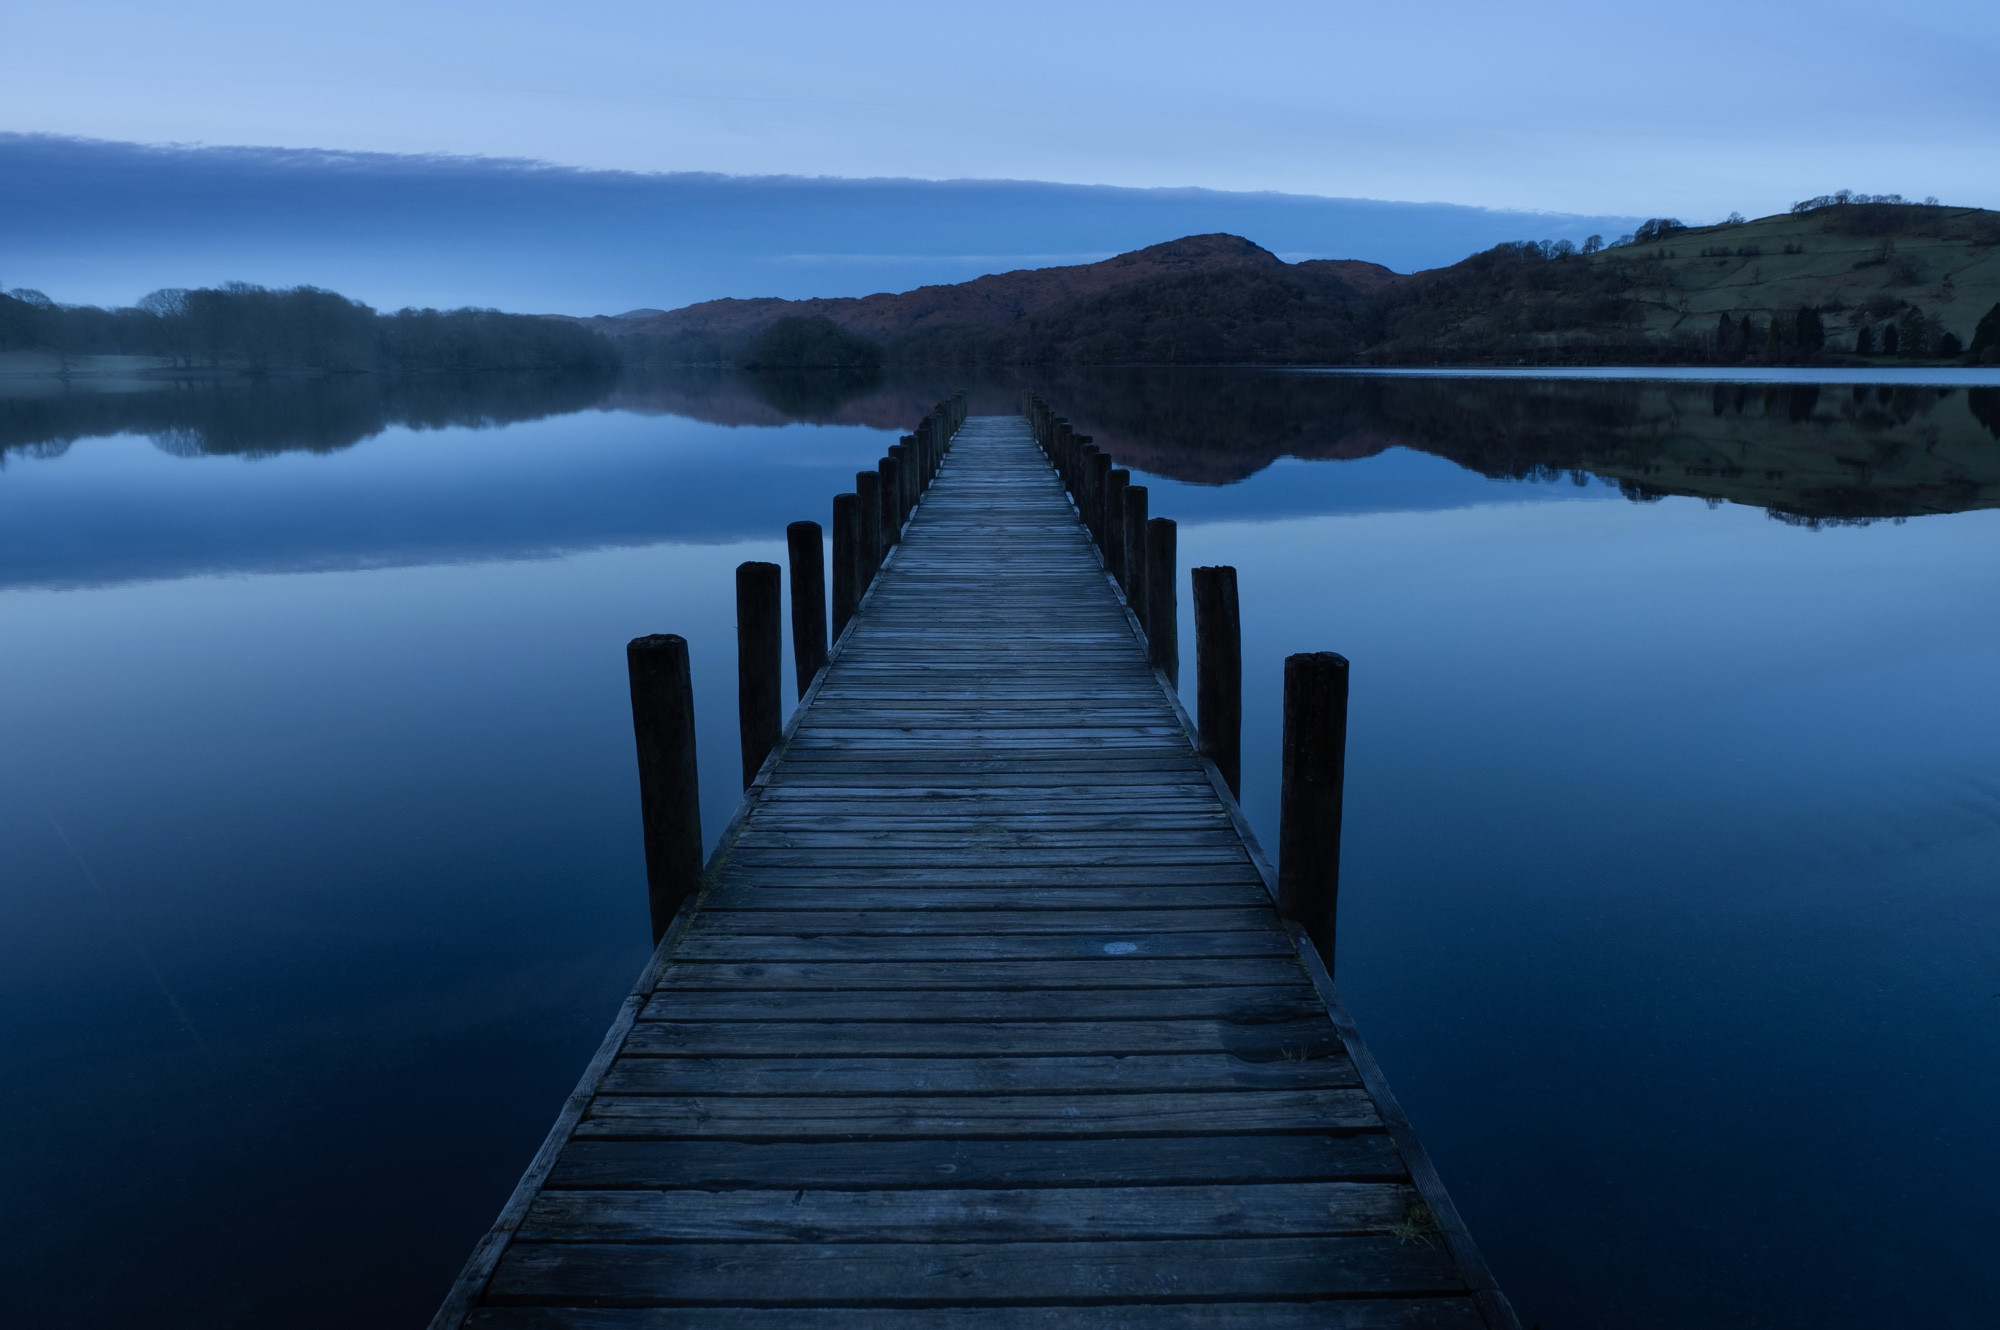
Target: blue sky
<point x="1605" y="110"/>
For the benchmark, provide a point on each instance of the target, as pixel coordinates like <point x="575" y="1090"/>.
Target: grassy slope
<point x="1946" y="263"/>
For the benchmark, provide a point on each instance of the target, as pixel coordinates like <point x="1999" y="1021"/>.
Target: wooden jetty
<point x="984" y="1017"/>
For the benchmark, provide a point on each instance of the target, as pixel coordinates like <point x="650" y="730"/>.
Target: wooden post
<point x="1315" y="762"/>
<point x="760" y="647"/>
<point x="1163" y="638"/>
<point x="1218" y="672"/>
<point x="908" y="469"/>
<point x="868" y="486"/>
<point x="1100" y="489"/>
<point x="846" y="560"/>
<point x="669" y="788"/>
<point x="1114" y="521"/>
<point x="1135" y="551"/>
<point x="1086" y="472"/>
<point x="807" y="556"/>
<point x="892" y="499"/>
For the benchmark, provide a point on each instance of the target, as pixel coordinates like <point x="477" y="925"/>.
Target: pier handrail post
<point x="1163" y="638"/>
<point x="759" y="662"/>
<point x="868" y="534"/>
<point x="912" y="470"/>
<point x="1114" y="521"/>
<point x="846" y="559"/>
<point x="1135" y="551"/>
<point x="669" y="786"/>
<point x="1309" y="798"/>
<point x="806" y="553"/>
<point x="1100" y="489"/>
<point x="1218" y="672"/>
<point x="892" y="502"/>
<point x="1086" y="473"/>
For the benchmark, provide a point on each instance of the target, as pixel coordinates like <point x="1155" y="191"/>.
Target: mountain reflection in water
<point x="1807" y="452"/>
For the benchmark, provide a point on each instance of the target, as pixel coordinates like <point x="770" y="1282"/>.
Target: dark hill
<point x="1796" y="288"/>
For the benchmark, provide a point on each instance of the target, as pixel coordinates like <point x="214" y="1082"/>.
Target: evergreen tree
<point x="1890" y="340"/>
<point x="1864" y="341"/>
<point x="1774" y="335"/>
<point x="1809" y="332"/>
<point x="1725" y="333"/>
<point x="1986" y="337"/>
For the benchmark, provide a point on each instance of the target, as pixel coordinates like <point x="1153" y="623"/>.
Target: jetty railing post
<point x="1309" y="797"/>
<point x="1218" y="672"/>
<point x="868" y="488"/>
<point x="807" y="555"/>
<point x="759" y="662"/>
<point x="1100" y="490"/>
<point x="892" y="499"/>
<point x="1135" y="551"/>
<point x="1163" y="638"/>
<point x="669" y="786"/>
<point x="913" y="475"/>
<point x="1086" y="472"/>
<point x="1114" y="521"/>
<point x="846" y="559"/>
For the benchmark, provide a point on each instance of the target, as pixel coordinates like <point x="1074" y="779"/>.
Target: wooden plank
<point x="1247" y="1005"/>
<point x="727" y="900"/>
<point x="928" y="921"/>
<point x="1312" y="1036"/>
<point x="1104" y="972"/>
<point x="1432" y="1313"/>
<point x="886" y="1117"/>
<point x="917" y="1274"/>
<point x="1059" y="1214"/>
<point x="719" y="947"/>
<point x="661" y="1073"/>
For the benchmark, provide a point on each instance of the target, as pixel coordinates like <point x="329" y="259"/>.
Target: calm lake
<point x="1671" y="900"/>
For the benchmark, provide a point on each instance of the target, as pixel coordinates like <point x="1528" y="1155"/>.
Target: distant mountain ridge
<point x="1832" y="278"/>
<point x="992" y="302"/>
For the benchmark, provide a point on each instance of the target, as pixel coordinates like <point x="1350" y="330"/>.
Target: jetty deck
<point x="984" y="1019"/>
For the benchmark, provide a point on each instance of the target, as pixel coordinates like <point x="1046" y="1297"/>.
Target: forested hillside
<point x="256" y="330"/>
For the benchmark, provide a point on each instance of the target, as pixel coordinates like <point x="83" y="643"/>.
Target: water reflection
<point x="1808" y="452"/>
<point x="259" y="417"/>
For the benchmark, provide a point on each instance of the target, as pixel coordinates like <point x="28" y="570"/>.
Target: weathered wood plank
<point x="989" y="1074"/>
<point x="882" y="1117"/>
<point x="917" y="1274"/>
<point x="1057" y="1214"/>
<point x="1248" y="1005"/>
<point x="1209" y="1159"/>
<point x="1104" y="972"/>
<point x="1308" y="1037"/>
<point x="1433" y="1313"/>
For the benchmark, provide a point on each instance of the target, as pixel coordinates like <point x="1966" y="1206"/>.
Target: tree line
<point x="256" y="330"/>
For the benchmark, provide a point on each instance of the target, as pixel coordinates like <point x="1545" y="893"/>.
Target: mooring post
<point x="868" y="487"/>
<point x="911" y="469"/>
<point x="1100" y="490"/>
<point x="1135" y="551"/>
<point x="1114" y="521"/>
<point x="846" y="559"/>
<point x="1086" y="472"/>
<point x="760" y="647"/>
<point x="1309" y="797"/>
<point x="807" y="554"/>
<point x="1163" y="638"/>
<point x="669" y="787"/>
<point x="1218" y="672"/>
<point x="892" y="499"/>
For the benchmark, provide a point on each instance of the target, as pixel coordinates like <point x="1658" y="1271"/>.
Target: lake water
<point x="1670" y="902"/>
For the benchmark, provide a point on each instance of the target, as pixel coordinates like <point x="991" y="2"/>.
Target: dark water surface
<point x="1671" y="904"/>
